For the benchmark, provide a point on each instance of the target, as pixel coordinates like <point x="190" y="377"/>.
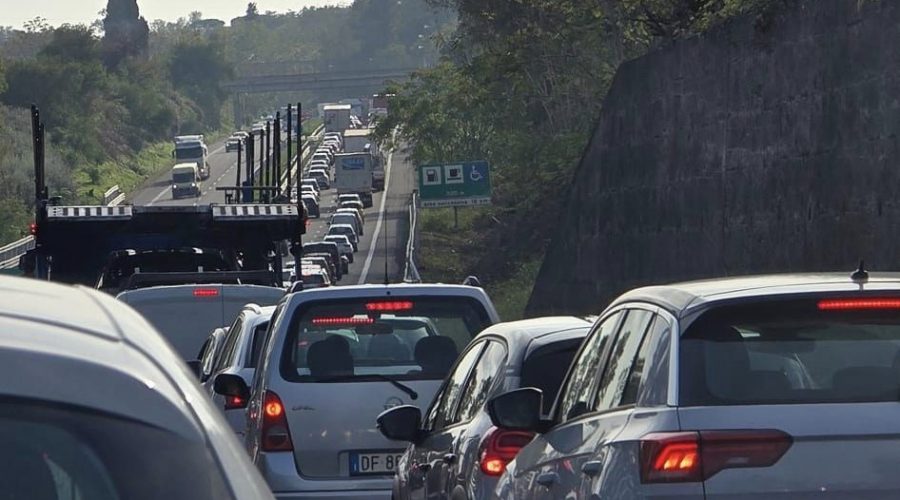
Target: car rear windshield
<point x="403" y="338"/>
<point x="802" y="351"/>
<point x="61" y="452"/>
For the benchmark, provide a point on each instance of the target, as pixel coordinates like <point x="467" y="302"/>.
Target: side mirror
<point x="195" y="367"/>
<point x="517" y="410"/>
<point x="401" y="423"/>
<point x="227" y="384"/>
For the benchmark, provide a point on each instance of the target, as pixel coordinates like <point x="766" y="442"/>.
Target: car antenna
<point x="860" y="276"/>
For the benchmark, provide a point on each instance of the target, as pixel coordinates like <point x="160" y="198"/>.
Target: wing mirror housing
<point x="228" y="384"/>
<point x="518" y="410"/>
<point x="401" y="423"/>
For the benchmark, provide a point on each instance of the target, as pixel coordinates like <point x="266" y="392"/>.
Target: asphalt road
<point x="386" y="227"/>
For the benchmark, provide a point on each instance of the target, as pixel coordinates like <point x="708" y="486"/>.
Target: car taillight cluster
<point x="499" y="447"/>
<point x="235" y="402"/>
<point x="275" y="434"/>
<point x="680" y="457"/>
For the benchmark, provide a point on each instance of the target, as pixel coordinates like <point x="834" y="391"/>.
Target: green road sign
<point x="466" y="183"/>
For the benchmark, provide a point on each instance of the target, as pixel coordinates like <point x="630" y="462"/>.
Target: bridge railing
<point x="9" y="254"/>
<point x="410" y="272"/>
<point x="113" y="196"/>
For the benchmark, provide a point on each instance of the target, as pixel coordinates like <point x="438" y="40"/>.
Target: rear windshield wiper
<point x="399" y="385"/>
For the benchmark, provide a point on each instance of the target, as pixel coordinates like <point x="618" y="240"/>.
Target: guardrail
<point x="300" y="160"/>
<point x="113" y="196"/>
<point x="410" y="272"/>
<point x="9" y="254"/>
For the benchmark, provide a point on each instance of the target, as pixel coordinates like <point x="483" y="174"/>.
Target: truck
<point x="192" y="149"/>
<point x="360" y="141"/>
<point x="353" y="175"/>
<point x="336" y="117"/>
<point x="185" y="180"/>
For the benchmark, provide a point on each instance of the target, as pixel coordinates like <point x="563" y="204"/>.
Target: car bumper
<point x="282" y="477"/>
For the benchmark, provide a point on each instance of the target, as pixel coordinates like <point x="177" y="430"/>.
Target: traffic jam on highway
<point x="213" y="351"/>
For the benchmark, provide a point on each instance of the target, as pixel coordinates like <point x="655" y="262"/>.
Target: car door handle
<point x="592" y="468"/>
<point x="547" y="479"/>
<point x="450" y="458"/>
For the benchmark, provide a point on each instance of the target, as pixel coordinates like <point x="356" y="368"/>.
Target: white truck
<point x="353" y="175"/>
<point x="360" y="141"/>
<point x="192" y="149"/>
<point x="336" y="117"/>
<point x="185" y="180"/>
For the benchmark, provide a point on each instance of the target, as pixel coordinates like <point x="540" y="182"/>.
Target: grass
<point x="447" y="254"/>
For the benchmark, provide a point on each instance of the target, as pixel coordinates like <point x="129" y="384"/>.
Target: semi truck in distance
<point x="336" y="117"/>
<point x="353" y="175"/>
<point x="192" y="149"/>
<point x="185" y="180"/>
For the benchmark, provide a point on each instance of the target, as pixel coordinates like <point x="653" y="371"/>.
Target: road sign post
<point x="460" y="184"/>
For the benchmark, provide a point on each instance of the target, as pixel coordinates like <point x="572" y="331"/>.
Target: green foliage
<point x="126" y="33"/>
<point x="196" y="68"/>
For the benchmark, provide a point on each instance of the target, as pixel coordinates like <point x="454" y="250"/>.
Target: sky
<point x="15" y="12"/>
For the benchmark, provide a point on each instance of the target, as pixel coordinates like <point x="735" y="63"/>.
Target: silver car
<point x="95" y="404"/>
<point x="335" y="359"/>
<point x="345" y="230"/>
<point x="770" y="387"/>
<point x="343" y="243"/>
<point x="239" y="356"/>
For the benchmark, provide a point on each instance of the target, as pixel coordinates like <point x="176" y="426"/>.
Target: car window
<point x="791" y="352"/>
<point x="406" y="338"/>
<point x="653" y="363"/>
<point x="259" y="337"/>
<point x="485" y="374"/>
<point x="446" y="404"/>
<point x="585" y="372"/>
<point x="638" y="367"/>
<point x="623" y="352"/>
<point x="60" y="452"/>
<point x="227" y="357"/>
<point x="546" y="367"/>
<point x="209" y="355"/>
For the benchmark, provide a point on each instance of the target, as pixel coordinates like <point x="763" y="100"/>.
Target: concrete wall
<point x="766" y="145"/>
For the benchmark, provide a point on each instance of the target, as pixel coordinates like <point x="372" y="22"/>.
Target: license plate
<point x="373" y="463"/>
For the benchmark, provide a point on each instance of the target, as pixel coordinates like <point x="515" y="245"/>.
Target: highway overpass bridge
<point x="366" y="81"/>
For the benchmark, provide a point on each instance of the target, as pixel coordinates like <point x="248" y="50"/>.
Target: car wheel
<point x="351" y="258"/>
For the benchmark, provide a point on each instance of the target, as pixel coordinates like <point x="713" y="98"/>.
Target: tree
<point x="72" y="43"/>
<point x="252" y="10"/>
<point x="197" y="67"/>
<point x="126" y="33"/>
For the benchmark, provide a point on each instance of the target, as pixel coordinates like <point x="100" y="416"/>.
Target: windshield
<point x="405" y="338"/>
<point x="789" y="353"/>
<point x="188" y="153"/>
<point x="183" y="177"/>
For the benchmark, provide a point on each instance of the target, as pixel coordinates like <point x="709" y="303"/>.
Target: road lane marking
<point x="384" y="196"/>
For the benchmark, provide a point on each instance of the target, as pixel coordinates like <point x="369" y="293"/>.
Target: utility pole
<point x="299" y="146"/>
<point x="237" y="182"/>
<point x="268" y="169"/>
<point x="276" y="142"/>
<point x="251" y="173"/>
<point x="290" y="157"/>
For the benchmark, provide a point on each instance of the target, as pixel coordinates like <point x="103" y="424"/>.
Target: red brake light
<point x="32" y="229"/>
<point x="349" y="321"/>
<point x="859" y="304"/>
<point x="206" y="292"/>
<point x="235" y="402"/>
<point x="275" y="434"/>
<point x="396" y="305"/>
<point x="499" y="447"/>
<point x="697" y="456"/>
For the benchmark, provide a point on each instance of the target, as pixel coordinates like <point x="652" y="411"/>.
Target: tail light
<point x="499" y="447"/>
<point x="275" y="434"/>
<point x="33" y="229"/>
<point x="206" y="292"/>
<point x="858" y="304"/>
<point x="678" y="457"/>
<point x="235" y="402"/>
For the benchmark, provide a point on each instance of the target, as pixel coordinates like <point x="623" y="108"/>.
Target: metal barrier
<point x="113" y="196"/>
<point x="410" y="272"/>
<point x="9" y="254"/>
<point x="301" y="159"/>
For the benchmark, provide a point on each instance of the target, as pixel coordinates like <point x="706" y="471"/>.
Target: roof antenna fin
<point x="860" y="275"/>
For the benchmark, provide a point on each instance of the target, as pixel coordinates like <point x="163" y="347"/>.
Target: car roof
<point x="106" y="345"/>
<point x="526" y="335"/>
<point x="397" y="289"/>
<point x="686" y="297"/>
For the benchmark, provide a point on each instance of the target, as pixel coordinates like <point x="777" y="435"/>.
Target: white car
<point x="343" y="243"/>
<point x="242" y="344"/>
<point x="96" y="404"/>
<point x="335" y="359"/>
<point x="345" y="230"/>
